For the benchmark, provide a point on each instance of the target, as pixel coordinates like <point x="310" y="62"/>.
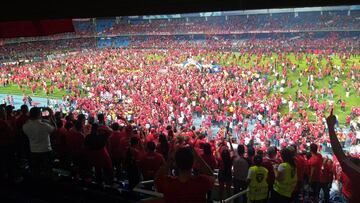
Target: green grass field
<point x="15" y="90"/>
<point x="353" y="100"/>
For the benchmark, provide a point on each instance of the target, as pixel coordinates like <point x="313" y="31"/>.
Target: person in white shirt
<point x="38" y="131"/>
<point x="240" y="167"/>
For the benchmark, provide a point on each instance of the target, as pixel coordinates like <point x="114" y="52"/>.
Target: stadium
<point x="125" y="97"/>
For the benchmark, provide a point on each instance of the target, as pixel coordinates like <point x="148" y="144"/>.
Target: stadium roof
<point x="25" y="10"/>
<point x="33" y="16"/>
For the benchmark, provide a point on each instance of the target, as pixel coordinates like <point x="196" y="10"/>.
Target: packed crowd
<point x="29" y="50"/>
<point x="325" y="42"/>
<point x="275" y="22"/>
<point x="240" y="23"/>
<point x="181" y="161"/>
<point x="148" y="104"/>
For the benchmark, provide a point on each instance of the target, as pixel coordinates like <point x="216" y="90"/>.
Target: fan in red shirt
<point x="185" y="187"/>
<point x="270" y="162"/>
<point x="21" y="139"/>
<point x="315" y="164"/>
<point x="97" y="154"/>
<point x="132" y="161"/>
<point x="115" y="149"/>
<point x="7" y="141"/>
<point x="152" y="136"/>
<point x="151" y="162"/>
<point x="208" y="156"/>
<point x="74" y="142"/>
<point x="300" y="169"/>
<point x="58" y="141"/>
<point x="326" y="178"/>
<point x="350" y="165"/>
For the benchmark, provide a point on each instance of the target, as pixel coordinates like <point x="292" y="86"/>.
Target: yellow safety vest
<point x="258" y="183"/>
<point x="287" y="185"/>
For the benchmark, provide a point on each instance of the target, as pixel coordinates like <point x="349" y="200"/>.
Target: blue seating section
<point x="104" y="42"/>
<point x="117" y="42"/>
<point x="121" y="42"/>
<point x="104" y="24"/>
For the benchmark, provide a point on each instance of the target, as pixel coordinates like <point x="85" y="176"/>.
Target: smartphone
<point x="45" y="113"/>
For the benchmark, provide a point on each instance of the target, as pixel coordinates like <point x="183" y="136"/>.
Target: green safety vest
<point x="287" y="185"/>
<point x="258" y="188"/>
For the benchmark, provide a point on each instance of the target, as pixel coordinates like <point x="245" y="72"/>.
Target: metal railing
<point x="146" y="191"/>
<point x="160" y="195"/>
<point x="231" y="198"/>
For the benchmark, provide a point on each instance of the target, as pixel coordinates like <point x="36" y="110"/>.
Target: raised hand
<point x="331" y="120"/>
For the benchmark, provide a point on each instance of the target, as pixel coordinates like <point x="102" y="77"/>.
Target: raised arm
<point x="230" y="143"/>
<point x="337" y="149"/>
<point x="335" y="144"/>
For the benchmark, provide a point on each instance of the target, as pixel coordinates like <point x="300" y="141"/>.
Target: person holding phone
<point x="38" y="131"/>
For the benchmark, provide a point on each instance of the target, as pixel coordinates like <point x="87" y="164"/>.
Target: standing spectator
<point x="114" y="147"/>
<point x="326" y="178"/>
<point x="210" y="160"/>
<point x="208" y="156"/>
<point x="38" y="131"/>
<point x="133" y="156"/>
<point x="315" y="163"/>
<point x="22" y="140"/>
<point x="151" y="162"/>
<point x="225" y="172"/>
<point x="7" y="141"/>
<point x="97" y="154"/>
<point x="74" y="140"/>
<point x="163" y="146"/>
<point x="241" y="167"/>
<point x="250" y="155"/>
<point x="257" y="181"/>
<point x="58" y="141"/>
<point x="350" y="166"/>
<point x="270" y="162"/>
<point x="185" y="187"/>
<point x="300" y="169"/>
<point x="285" y="180"/>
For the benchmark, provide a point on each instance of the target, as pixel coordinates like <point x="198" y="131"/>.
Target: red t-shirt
<point x="114" y="144"/>
<point x="124" y="144"/>
<point x="99" y="158"/>
<point x="351" y="183"/>
<point x="21" y="121"/>
<point x="300" y="167"/>
<point x="59" y="139"/>
<point x="6" y="133"/>
<point x="268" y="164"/>
<point x="74" y="142"/>
<point x="150" y="164"/>
<point x="209" y="160"/>
<point x="193" y="190"/>
<point x="315" y="162"/>
<point x="326" y="174"/>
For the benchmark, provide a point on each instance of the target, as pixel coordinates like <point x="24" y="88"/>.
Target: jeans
<point x="240" y="185"/>
<point x="104" y="174"/>
<point x="41" y="164"/>
<point x="7" y="161"/>
<point x="326" y="189"/>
